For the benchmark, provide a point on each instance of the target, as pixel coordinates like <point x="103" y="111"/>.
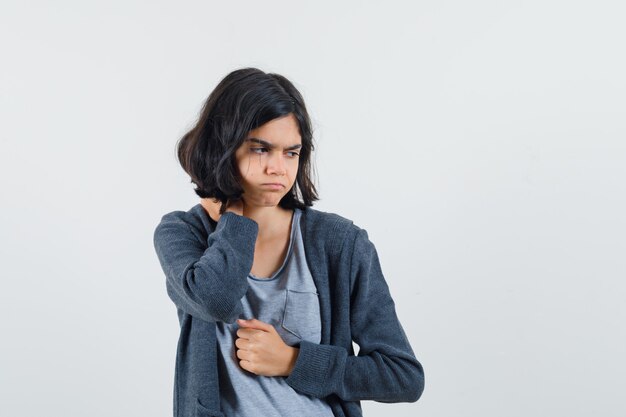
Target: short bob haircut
<point x="242" y="101"/>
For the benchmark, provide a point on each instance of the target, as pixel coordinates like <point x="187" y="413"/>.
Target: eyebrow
<point x="271" y="146"/>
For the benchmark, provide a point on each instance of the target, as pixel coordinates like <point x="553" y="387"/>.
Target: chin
<point x="266" y="202"/>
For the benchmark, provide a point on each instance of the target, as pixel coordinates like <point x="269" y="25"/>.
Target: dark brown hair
<point x="242" y="101"/>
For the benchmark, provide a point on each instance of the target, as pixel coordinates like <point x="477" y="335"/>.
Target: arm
<point x="207" y="282"/>
<point x="385" y="369"/>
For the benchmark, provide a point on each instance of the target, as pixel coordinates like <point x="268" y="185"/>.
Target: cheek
<point x="251" y="162"/>
<point x="248" y="168"/>
<point x="294" y="170"/>
<point x="244" y="166"/>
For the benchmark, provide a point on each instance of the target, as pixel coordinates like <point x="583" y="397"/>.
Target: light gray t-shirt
<point x="288" y="300"/>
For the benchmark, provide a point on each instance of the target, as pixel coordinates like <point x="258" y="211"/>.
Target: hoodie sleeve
<point x="207" y="279"/>
<point x="385" y="369"/>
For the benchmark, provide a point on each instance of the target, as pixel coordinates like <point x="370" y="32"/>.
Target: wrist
<point x="292" y="355"/>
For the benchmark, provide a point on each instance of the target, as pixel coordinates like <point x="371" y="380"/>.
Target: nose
<point x="276" y="164"/>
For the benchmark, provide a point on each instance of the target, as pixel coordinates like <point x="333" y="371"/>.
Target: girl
<point x="271" y="293"/>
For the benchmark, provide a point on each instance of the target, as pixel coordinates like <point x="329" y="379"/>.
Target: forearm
<point x="321" y="370"/>
<point x="207" y="279"/>
<point x="386" y="368"/>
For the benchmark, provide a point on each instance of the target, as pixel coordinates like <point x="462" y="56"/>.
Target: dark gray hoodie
<point x="206" y="264"/>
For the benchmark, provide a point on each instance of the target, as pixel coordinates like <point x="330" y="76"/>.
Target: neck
<point x="271" y="220"/>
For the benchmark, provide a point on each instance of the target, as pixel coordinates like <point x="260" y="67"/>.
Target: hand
<point x="262" y="351"/>
<point x="212" y="207"/>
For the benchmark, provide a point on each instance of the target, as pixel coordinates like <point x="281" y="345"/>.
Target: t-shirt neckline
<point x="294" y="222"/>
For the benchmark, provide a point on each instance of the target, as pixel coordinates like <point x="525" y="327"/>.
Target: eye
<point x="294" y="154"/>
<point x="258" y="149"/>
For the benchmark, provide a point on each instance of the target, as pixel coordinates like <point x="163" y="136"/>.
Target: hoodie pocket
<point x="301" y="317"/>
<point x="202" y="411"/>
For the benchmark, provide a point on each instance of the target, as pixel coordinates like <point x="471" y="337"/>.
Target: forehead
<point x="281" y="132"/>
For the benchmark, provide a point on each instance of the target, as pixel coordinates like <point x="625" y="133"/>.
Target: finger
<point x="243" y="354"/>
<point x="242" y="343"/>
<point x="247" y="365"/>
<point x="255" y="324"/>
<point x="247" y="333"/>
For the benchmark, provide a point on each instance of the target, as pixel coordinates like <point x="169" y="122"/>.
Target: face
<point x="269" y="155"/>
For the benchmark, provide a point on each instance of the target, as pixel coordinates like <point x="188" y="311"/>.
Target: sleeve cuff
<point x="310" y="374"/>
<point x="237" y="224"/>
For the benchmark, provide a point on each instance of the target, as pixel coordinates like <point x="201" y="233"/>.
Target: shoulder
<point x="195" y="221"/>
<point x="340" y="231"/>
<point x="325" y="221"/>
<point x="346" y="244"/>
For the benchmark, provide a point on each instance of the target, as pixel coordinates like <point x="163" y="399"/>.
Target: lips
<point x="273" y="186"/>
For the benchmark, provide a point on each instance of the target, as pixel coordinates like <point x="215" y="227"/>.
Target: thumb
<point x="255" y="324"/>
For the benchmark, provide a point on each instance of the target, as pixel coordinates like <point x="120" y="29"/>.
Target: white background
<point x="481" y="145"/>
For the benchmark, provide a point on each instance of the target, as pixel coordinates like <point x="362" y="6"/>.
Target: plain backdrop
<point x="481" y="145"/>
